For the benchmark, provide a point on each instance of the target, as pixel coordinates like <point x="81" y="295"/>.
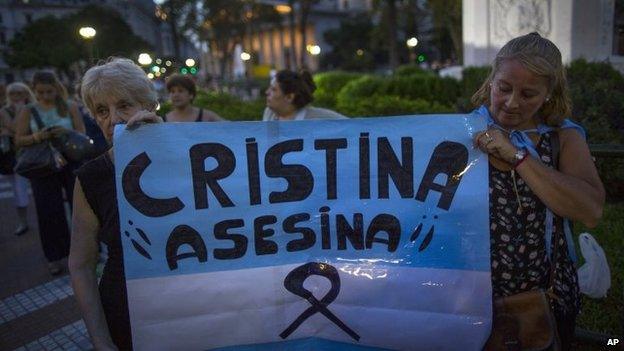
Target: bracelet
<point x="521" y="159"/>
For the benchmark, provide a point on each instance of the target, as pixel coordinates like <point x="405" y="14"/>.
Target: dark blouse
<point x="519" y="259"/>
<point x="97" y="178"/>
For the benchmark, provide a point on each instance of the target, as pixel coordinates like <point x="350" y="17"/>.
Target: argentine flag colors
<point x="353" y="234"/>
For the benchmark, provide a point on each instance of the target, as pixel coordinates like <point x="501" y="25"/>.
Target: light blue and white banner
<point x="336" y="234"/>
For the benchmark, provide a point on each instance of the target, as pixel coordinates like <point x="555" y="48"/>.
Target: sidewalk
<point x="37" y="311"/>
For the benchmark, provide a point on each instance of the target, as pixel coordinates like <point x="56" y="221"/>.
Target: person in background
<point x="117" y="92"/>
<point x="93" y="131"/>
<point x="18" y="95"/>
<point x="289" y="97"/>
<point x="58" y="115"/>
<point x="525" y="101"/>
<point x="182" y="91"/>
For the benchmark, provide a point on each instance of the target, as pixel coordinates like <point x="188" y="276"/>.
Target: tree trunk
<point x="392" y="33"/>
<point x="174" y="33"/>
<point x="293" y="44"/>
<point x="304" y="11"/>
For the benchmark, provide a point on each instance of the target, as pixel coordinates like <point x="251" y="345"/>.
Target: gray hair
<point x="119" y="78"/>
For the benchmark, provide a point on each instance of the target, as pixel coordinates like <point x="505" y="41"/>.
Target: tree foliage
<point x="55" y="42"/>
<point x="45" y="42"/>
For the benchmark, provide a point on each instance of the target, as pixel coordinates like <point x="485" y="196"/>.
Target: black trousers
<point x="49" y="202"/>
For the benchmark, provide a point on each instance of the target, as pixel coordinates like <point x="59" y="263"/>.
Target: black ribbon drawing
<point x="294" y="283"/>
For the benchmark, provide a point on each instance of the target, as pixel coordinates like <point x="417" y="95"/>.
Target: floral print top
<point x="519" y="260"/>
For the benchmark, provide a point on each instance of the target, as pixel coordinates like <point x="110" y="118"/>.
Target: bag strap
<point x="38" y="120"/>
<point x="555" y="148"/>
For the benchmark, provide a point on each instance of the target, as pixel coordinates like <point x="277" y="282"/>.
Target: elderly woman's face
<point x="276" y="100"/>
<point x="111" y="111"/>
<point x="516" y="96"/>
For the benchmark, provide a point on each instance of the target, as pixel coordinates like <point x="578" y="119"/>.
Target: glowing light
<point x="283" y="9"/>
<point x="359" y="52"/>
<point x="314" y="49"/>
<point x="168" y="63"/>
<point x="245" y="56"/>
<point x="412" y="42"/>
<point x="184" y="71"/>
<point x="155" y="69"/>
<point x="150" y="75"/>
<point x="163" y="70"/>
<point x="158" y="61"/>
<point x="189" y="62"/>
<point x="145" y="59"/>
<point x="87" y="32"/>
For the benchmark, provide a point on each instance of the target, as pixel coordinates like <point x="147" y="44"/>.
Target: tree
<point x="54" y="42"/>
<point x="447" y="18"/>
<point x="43" y="43"/>
<point x="351" y="46"/>
<point x="305" y="6"/>
<point x="225" y="23"/>
<point x="176" y="11"/>
<point x="114" y="36"/>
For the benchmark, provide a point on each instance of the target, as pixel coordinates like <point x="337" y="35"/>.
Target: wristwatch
<point x="519" y="156"/>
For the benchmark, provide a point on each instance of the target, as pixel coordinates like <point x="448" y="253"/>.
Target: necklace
<point x="513" y="178"/>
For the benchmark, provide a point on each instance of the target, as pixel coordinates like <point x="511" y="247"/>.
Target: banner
<point x="335" y="234"/>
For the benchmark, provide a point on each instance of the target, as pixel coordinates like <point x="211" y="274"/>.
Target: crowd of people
<point x="524" y="99"/>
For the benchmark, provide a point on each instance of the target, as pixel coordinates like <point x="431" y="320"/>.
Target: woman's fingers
<point x="142" y="117"/>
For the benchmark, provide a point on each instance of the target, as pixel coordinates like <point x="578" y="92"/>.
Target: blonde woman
<point x="117" y="92"/>
<point x="57" y="115"/>
<point x="526" y="102"/>
<point x="18" y="95"/>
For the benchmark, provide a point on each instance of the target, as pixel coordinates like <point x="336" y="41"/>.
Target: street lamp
<point x="283" y="9"/>
<point x="411" y="44"/>
<point x="145" y="59"/>
<point x="88" y="33"/>
<point x="314" y="49"/>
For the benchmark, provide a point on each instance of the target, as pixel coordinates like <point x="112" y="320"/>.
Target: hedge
<point x="328" y="84"/>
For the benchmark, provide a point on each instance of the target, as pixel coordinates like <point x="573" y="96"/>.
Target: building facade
<point x="139" y="14"/>
<point x="270" y="47"/>
<point x="593" y="30"/>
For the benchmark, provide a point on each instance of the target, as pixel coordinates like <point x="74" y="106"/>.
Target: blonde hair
<point x="540" y="56"/>
<point x="118" y="78"/>
<point x="20" y="87"/>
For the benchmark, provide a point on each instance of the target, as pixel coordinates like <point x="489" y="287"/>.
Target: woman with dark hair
<point x="289" y="97"/>
<point x="534" y="188"/>
<point x="58" y="115"/>
<point x="182" y="91"/>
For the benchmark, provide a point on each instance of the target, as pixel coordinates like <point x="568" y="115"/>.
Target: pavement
<point x="38" y="311"/>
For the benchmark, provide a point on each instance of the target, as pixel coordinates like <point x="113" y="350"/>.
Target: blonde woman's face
<point x="45" y="93"/>
<point x="516" y="96"/>
<point x="18" y="97"/>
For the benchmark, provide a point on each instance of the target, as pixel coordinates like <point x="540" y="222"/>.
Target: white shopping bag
<point x="594" y="276"/>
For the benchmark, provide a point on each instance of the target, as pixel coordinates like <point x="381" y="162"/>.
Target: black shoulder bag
<point x="39" y="160"/>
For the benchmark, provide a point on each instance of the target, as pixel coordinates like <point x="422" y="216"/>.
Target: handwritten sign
<point x="349" y="234"/>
